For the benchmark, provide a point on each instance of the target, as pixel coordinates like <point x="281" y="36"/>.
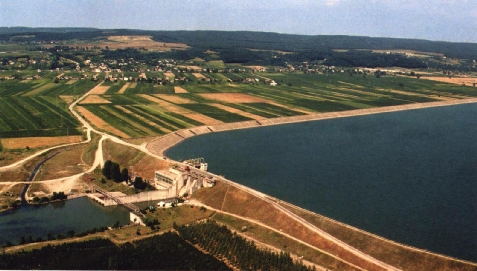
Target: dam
<point x="408" y="176"/>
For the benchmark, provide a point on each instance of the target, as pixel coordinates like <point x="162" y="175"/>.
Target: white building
<point x="180" y="180"/>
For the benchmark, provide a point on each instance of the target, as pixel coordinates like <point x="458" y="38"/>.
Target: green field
<point x="35" y="116"/>
<point x="33" y="107"/>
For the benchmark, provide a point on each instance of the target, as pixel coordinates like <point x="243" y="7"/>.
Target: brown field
<point x="98" y="122"/>
<point x="257" y="67"/>
<point x="137" y="42"/>
<point x="15" y="175"/>
<point x="170" y="75"/>
<point x="36" y="142"/>
<point x="67" y="98"/>
<point x="410" y="52"/>
<point x="194" y="67"/>
<point x="203" y="119"/>
<point x="174" y="99"/>
<point x="100" y="90"/>
<point x="133" y="85"/>
<point x="95" y="99"/>
<point x="198" y="75"/>
<point x="122" y="42"/>
<point x="72" y="81"/>
<point x="123" y="89"/>
<point x="12" y="156"/>
<point x="233" y="97"/>
<point x="180" y="90"/>
<point x="66" y="163"/>
<point x="468" y="81"/>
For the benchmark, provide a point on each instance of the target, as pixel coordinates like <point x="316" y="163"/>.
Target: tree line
<point x="169" y="251"/>
<point x="248" y="39"/>
<point x="222" y="243"/>
<point x="112" y="171"/>
<point x="161" y="252"/>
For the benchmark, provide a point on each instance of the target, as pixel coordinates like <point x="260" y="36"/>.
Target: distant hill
<point x="255" y="40"/>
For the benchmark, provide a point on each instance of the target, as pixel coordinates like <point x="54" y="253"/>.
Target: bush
<point x="58" y="196"/>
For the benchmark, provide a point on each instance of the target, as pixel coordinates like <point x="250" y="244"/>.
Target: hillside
<point x="234" y="46"/>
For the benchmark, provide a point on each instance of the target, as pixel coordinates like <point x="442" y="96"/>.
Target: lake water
<point x="79" y="214"/>
<point x="409" y="176"/>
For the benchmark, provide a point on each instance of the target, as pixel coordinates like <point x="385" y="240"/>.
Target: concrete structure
<point x="171" y="180"/>
<point x="182" y="179"/>
<point x="134" y="218"/>
<point x="197" y="163"/>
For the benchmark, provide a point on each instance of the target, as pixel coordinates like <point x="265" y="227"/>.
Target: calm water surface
<point x="79" y="214"/>
<point x="409" y="176"/>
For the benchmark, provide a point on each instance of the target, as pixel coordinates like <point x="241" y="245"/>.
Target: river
<point x="409" y="176"/>
<point x="78" y="214"/>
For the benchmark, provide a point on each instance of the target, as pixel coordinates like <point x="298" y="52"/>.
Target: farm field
<point x="33" y="108"/>
<point x="148" y="113"/>
<point x="141" y="109"/>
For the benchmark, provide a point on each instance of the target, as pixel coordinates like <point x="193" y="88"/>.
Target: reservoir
<point x="78" y="214"/>
<point x="409" y="176"/>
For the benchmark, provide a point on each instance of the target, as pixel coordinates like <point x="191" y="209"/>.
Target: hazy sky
<point x="448" y="20"/>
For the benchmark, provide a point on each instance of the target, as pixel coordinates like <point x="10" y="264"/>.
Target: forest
<point x="234" y="46"/>
<point x="168" y="251"/>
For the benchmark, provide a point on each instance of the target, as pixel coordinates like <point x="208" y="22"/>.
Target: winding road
<point x="99" y="161"/>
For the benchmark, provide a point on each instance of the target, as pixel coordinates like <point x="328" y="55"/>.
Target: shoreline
<point x="160" y="145"/>
<point x="177" y="137"/>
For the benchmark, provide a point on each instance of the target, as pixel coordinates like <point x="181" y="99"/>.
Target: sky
<point x="442" y="20"/>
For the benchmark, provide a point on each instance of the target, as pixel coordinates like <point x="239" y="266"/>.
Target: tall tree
<point x="124" y="174"/>
<point x="115" y="172"/>
<point x="107" y="169"/>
